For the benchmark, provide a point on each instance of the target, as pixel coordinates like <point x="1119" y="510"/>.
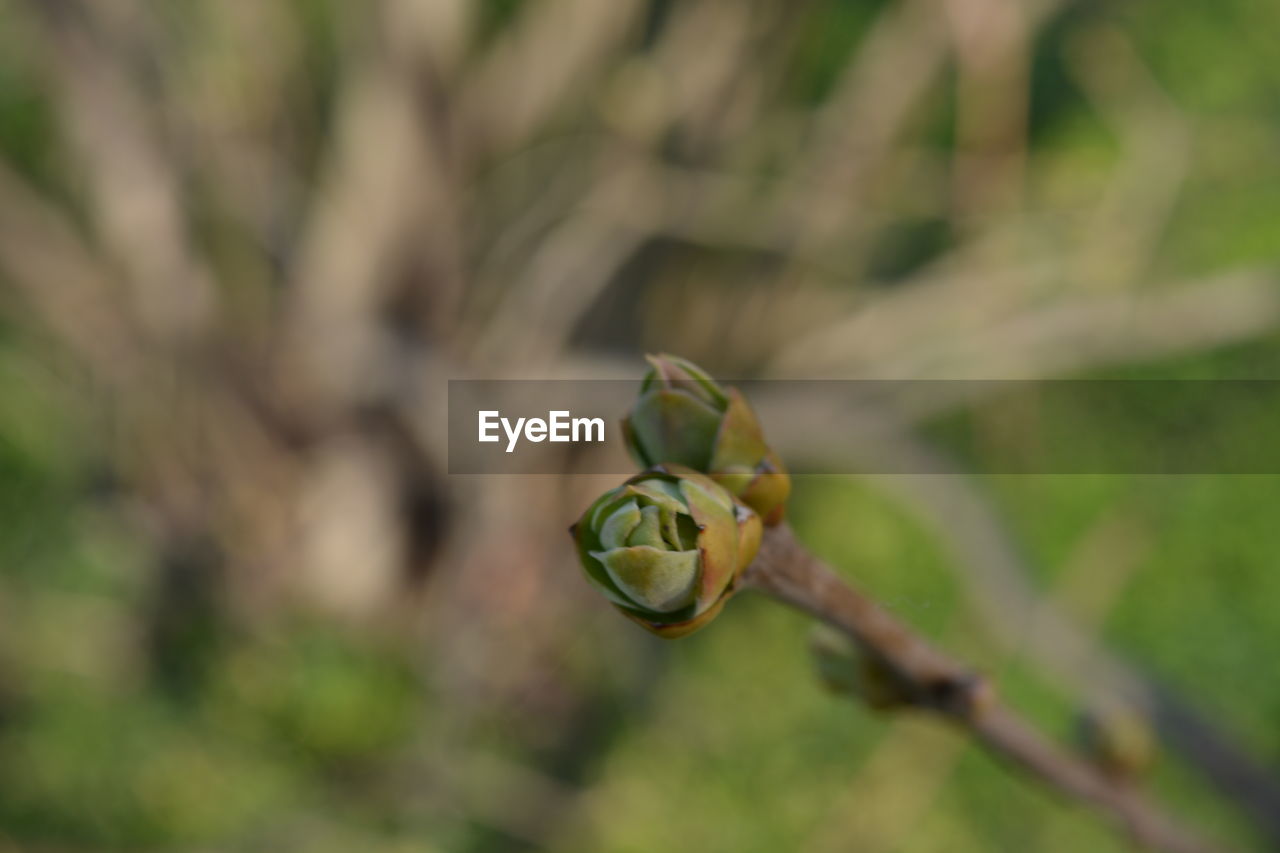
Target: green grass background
<point x="223" y="739"/>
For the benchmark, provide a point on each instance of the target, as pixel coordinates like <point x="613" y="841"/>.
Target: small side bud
<point x="847" y="669"/>
<point x="685" y="417"/>
<point x="1118" y="739"/>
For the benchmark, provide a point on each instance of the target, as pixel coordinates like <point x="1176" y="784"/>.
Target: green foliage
<point x="735" y="747"/>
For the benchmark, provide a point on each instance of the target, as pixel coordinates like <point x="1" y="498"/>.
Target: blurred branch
<point x="359" y="225"/>
<point x="57" y="276"/>
<point x="1156" y="138"/>
<point x="859" y="123"/>
<point x="883" y="803"/>
<point x="133" y="183"/>
<point x="562" y="279"/>
<point x="952" y="329"/>
<point x="786" y="571"/>
<point x="991" y="39"/>
<point x="551" y="51"/>
<point x="998" y="581"/>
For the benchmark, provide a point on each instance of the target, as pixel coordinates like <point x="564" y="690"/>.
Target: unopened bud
<point x="666" y="547"/>
<point x="846" y="668"/>
<point x="1118" y="739"/>
<point x="684" y="417"/>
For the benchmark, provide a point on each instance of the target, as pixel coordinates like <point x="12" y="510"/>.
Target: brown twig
<point x="787" y="571"/>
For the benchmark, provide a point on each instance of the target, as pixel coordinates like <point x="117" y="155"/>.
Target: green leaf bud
<point x="666" y="546"/>
<point x="1118" y="739"/>
<point x="847" y="669"/>
<point x="684" y="417"/>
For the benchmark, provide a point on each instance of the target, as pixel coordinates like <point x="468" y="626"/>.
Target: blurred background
<point x="244" y="244"/>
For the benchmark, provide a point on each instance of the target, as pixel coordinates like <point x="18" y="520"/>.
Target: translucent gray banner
<point x="863" y="426"/>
